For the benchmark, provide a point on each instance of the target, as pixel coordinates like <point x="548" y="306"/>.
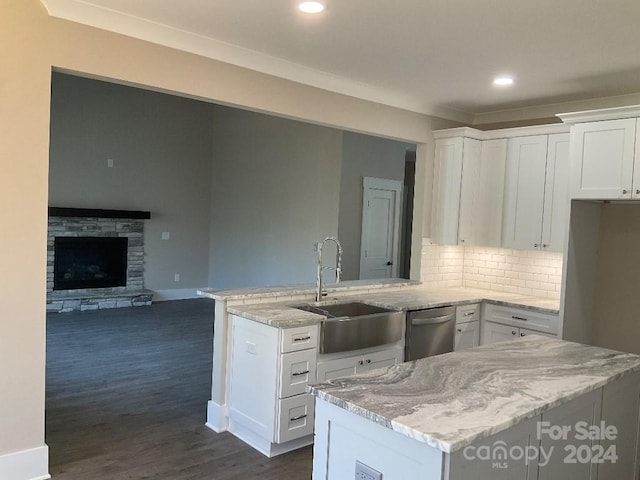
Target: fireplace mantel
<point x="98" y="213"/>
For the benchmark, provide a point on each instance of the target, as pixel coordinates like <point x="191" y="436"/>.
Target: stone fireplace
<point x="95" y="259"/>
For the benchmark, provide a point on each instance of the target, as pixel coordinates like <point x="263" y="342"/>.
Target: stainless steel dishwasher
<point x="429" y="332"/>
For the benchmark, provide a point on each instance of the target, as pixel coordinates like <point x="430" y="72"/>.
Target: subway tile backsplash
<point x="525" y="272"/>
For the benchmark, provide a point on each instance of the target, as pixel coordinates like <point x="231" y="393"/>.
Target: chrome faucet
<point x="337" y="268"/>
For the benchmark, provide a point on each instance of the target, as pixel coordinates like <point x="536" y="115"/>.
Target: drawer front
<point x="299" y="338"/>
<point x="541" y="322"/>
<point x="295" y="417"/>
<point x="297" y="369"/>
<point x="468" y="313"/>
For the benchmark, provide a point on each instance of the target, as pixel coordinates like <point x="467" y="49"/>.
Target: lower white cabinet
<point x="467" y="334"/>
<point x="342" y="366"/>
<point x="269" y="371"/>
<point x="502" y="323"/>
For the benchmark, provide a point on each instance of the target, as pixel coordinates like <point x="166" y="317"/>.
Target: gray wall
<point x="244" y="195"/>
<point x="161" y="147"/>
<point x="276" y="186"/>
<point x="362" y="156"/>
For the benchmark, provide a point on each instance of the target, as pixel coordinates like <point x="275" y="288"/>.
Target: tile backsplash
<point x="525" y="272"/>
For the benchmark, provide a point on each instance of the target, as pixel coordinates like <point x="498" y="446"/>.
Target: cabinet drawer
<point x="468" y="313"/>
<point x="297" y="369"/>
<point x="295" y="417"/>
<point x="299" y="338"/>
<point x="542" y="322"/>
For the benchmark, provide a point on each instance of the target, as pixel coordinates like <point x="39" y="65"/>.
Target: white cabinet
<point x="536" y="192"/>
<point x="605" y="160"/>
<point x="468" y="188"/>
<point x="500" y="323"/>
<point x="334" y="366"/>
<point x="269" y="371"/>
<point x="467" y="333"/>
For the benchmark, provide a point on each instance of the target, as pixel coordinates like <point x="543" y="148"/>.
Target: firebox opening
<point x="90" y="262"/>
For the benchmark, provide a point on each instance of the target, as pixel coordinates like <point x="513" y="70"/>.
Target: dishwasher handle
<point x="432" y="321"/>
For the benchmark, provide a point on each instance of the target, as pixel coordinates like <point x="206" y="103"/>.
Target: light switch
<point x="109" y="162"/>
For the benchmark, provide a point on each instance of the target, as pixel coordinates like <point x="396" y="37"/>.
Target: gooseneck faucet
<point x="337" y="268"/>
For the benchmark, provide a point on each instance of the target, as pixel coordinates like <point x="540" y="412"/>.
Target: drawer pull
<point x="368" y="360"/>
<point x="519" y="318"/>
<point x="297" y="374"/>
<point x="302" y="339"/>
<point x="468" y="314"/>
<point x="459" y="330"/>
<point x="299" y="417"/>
<point x="513" y="332"/>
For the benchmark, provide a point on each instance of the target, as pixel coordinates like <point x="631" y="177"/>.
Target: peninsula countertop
<point x="410" y="297"/>
<point x="449" y="401"/>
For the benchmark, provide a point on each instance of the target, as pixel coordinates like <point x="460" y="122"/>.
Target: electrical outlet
<point x="165" y="235"/>
<point x="176" y="277"/>
<point x="365" y="472"/>
<point x="109" y="162"/>
<point x="251" y="347"/>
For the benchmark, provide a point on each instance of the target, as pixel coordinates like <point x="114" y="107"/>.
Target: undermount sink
<point x="354" y="325"/>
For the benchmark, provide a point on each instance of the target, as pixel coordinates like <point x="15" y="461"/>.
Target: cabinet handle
<point x="468" y="314"/>
<point x="545" y="245"/>
<point x="459" y="330"/>
<point x="361" y="362"/>
<point x="624" y="192"/>
<point x="368" y="360"/>
<point x="522" y="334"/>
<point x="299" y="417"/>
<point x="302" y="339"/>
<point x="513" y="332"/>
<point x="519" y="318"/>
<point x="297" y="374"/>
<point x="537" y="245"/>
<point x="638" y="191"/>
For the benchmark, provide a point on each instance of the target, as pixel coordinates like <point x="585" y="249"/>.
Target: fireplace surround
<point x="95" y="259"/>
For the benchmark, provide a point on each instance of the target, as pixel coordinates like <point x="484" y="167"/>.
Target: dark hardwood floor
<point x="126" y="397"/>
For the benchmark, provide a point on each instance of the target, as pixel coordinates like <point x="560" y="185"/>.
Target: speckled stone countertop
<point x="449" y="401"/>
<point x="410" y="298"/>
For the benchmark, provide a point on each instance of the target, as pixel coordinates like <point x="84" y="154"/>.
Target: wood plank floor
<point x="126" y="397"/>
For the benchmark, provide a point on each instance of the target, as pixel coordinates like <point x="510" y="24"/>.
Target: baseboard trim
<point x="30" y="464"/>
<point x="175" y="294"/>
<point x="217" y="417"/>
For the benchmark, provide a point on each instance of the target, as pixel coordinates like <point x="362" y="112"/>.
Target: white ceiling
<point x="436" y="57"/>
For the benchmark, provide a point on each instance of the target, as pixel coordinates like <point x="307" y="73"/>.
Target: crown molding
<point x="475" y="134"/>
<point x="631" y="111"/>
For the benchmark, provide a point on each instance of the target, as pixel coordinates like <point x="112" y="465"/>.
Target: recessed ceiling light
<point x="311" y="7"/>
<point x="503" y="81"/>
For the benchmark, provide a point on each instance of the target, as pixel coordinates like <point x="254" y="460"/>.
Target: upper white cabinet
<point x="604" y="161"/>
<point x="536" y="192"/>
<point x="468" y="186"/>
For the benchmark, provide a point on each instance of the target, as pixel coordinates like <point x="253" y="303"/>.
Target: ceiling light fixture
<point x="311" y="7"/>
<point x="503" y="81"/>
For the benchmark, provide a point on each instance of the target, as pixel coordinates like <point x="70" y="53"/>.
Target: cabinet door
<point x="446" y="190"/>
<point x="495" y="332"/>
<point x="470" y="190"/>
<point x="556" y="193"/>
<point x="341" y="367"/>
<point x="586" y="408"/>
<point x="489" y="199"/>
<point x="467" y="335"/>
<point x="525" y="331"/>
<point x="602" y="159"/>
<point x="385" y="358"/>
<point x="524" y="192"/>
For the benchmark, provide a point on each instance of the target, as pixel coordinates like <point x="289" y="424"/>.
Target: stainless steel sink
<point x="352" y="326"/>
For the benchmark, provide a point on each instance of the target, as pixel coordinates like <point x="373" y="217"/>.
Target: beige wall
<point x="33" y="44"/>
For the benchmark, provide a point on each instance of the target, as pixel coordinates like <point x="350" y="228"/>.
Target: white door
<point x="496" y="332"/>
<point x="556" y="193"/>
<point x="379" y="246"/>
<point x="467" y="336"/>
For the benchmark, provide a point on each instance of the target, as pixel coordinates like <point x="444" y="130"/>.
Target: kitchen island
<point x="535" y="407"/>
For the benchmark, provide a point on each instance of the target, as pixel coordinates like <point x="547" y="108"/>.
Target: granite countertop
<point x="304" y="289"/>
<point x="413" y="297"/>
<point x="449" y="401"/>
